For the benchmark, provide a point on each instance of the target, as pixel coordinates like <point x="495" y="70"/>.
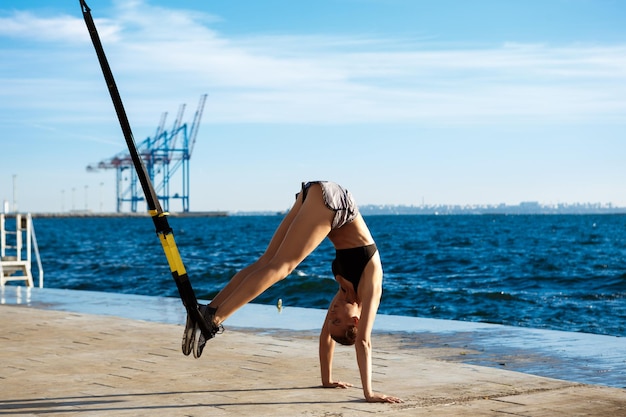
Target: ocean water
<point x="560" y="272"/>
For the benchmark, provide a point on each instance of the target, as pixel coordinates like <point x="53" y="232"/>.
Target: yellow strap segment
<point x="155" y="212"/>
<point x="169" y="247"/>
<point x="172" y="254"/>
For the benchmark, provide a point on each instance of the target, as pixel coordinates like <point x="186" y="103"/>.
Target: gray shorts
<point x="337" y="199"/>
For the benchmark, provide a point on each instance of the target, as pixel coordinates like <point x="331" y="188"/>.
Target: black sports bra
<point x="350" y="263"/>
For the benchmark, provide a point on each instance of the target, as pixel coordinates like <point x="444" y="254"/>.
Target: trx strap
<point x="163" y="230"/>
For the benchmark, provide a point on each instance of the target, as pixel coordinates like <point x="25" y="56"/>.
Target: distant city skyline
<point x="403" y="101"/>
<point x="79" y="202"/>
<point x="524" y="207"/>
<point x="527" y="207"/>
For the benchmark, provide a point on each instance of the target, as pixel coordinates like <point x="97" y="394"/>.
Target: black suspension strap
<point x="163" y="230"/>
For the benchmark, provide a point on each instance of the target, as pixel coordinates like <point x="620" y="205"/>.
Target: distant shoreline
<point x="524" y="208"/>
<point x="365" y="210"/>
<point x="129" y="214"/>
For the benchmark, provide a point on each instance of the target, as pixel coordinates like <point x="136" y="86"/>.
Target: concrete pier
<point x="116" y="355"/>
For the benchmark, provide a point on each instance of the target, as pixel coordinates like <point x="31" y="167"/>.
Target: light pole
<point x="14" y="193"/>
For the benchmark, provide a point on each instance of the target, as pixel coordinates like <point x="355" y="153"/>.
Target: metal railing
<point x="16" y="246"/>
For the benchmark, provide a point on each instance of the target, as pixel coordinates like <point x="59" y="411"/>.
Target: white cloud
<point x="159" y="55"/>
<point x="28" y="26"/>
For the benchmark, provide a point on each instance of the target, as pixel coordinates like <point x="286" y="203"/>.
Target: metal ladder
<point x="15" y="250"/>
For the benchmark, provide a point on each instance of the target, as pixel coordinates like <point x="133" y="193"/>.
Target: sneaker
<point x="189" y="335"/>
<point x="199" y="339"/>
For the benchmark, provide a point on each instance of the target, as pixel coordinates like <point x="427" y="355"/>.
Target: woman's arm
<point x="370" y="291"/>
<point x="327" y="348"/>
<point x="363" y="345"/>
<point x="326" y="351"/>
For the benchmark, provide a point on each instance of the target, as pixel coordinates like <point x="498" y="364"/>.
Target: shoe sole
<point x="198" y="338"/>
<point x="198" y="344"/>
<point x="188" y="336"/>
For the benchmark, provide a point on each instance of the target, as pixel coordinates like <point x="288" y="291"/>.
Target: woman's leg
<point x="275" y="242"/>
<point x="294" y="240"/>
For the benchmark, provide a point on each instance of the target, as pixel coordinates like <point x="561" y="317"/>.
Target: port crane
<point x="163" y="154"/>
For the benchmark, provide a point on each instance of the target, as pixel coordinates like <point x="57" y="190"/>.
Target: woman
<point x="322" y="209"/>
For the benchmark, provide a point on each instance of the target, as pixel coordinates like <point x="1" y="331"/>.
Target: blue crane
<point x="163" y="154"/>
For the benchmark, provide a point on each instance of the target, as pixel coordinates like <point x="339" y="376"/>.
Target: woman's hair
<point x="347" y="339"/>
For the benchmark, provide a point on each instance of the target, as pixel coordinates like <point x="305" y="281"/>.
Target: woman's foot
<point x="199" y="339"/>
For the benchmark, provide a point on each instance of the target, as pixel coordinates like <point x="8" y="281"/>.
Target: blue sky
<point x="401" y="101"/>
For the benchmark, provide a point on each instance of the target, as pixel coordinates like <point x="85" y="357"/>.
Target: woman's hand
<point x="338" y="384"/>
<point x="382" y="398"/>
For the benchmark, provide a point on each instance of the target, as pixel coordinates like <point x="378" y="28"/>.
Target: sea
<point x="559" y="272"/>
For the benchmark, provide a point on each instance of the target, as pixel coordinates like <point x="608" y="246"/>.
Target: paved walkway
<point x="57" y="363"/>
